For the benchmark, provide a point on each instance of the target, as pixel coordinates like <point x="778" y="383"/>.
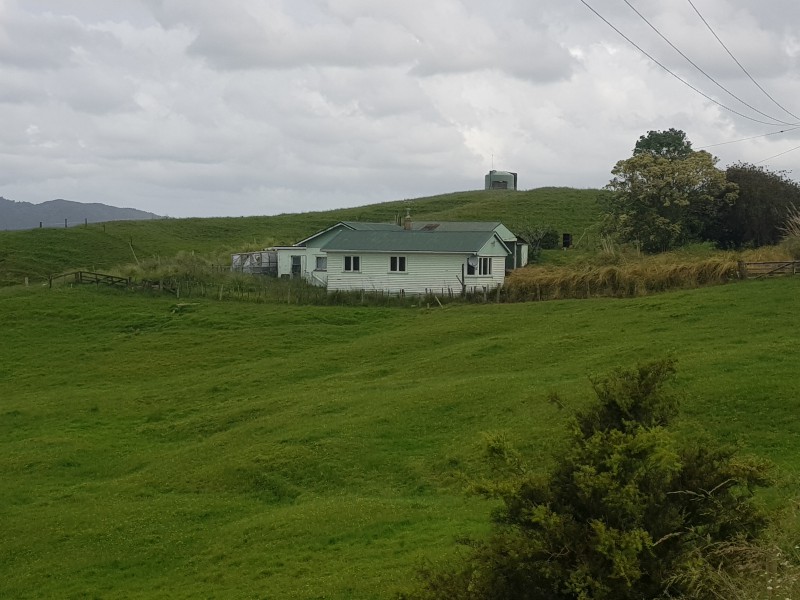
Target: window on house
<point x="483" y="266"/>
<point x="322" y="263"/>
<point x="397" y="264"/>
<point x="352" y="263"/>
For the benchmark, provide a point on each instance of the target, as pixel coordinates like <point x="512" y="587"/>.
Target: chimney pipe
<point x="407" y="220"/>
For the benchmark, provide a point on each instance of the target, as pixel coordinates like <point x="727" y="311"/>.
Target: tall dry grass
<point x="764" y="569"/>
<point x="791" y="234"/>
<point x="625" y="279"/>
<point x="755" y="571"/>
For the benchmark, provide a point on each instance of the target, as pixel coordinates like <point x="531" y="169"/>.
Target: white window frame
<point x="324" y="260"/>
<point x="484" y="268"/>
<point x="351" y="264"/>
<point x="398" y="264"/>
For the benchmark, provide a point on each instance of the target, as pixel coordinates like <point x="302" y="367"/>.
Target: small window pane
<point x="397" y="264"/>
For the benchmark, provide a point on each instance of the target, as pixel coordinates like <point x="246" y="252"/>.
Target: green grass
<point x="39" y="253"/>
<point x="278" y="451"/>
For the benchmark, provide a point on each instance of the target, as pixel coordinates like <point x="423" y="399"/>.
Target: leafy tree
<point x="660" y="203"/>
<point x="628" y="512"/>
<point x="671" y="144"/>
<point x="760" y="211"/>
<point x="538" y="238"/>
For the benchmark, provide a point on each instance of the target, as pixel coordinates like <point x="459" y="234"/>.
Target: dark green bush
<point x="758" y="214"/>
<point x="550" y="239"/>
<point x="627" y="513"/>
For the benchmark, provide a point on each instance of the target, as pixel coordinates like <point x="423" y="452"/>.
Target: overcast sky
<point x="245" y="107"/>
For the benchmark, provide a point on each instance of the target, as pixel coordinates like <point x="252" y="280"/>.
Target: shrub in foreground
<point x="628" y="512"/>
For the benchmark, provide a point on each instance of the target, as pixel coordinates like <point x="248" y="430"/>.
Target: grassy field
<point x="41" y="252"/>
<point x="236" y="450"/>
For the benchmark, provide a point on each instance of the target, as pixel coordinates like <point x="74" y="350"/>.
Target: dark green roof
<point x="361" y="226"/>
<point x="411" y="241"/>
<point x="456" y="225"/>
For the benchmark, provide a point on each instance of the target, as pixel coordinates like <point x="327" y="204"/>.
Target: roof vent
<point x="407" y="220"/>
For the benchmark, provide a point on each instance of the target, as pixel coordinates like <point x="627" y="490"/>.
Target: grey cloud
<point x="196" y="107"/>
<point x="248" y="44"/>
<point x="432" y="39"/>
<point x="44" y="41"/>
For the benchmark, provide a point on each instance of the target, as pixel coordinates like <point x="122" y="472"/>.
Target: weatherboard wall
<point x="436" y="273"/>
<point x="308" y="262"/>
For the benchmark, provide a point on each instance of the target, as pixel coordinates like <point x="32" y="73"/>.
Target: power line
<point x="777" y="155"/>
<point x="683" y="81"/>
<point x="709" y="77"/>
<point x="747" y="138"/>
<point x="778" y="104"/>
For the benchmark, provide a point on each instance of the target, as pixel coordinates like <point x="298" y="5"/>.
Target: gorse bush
<point x="628" y="512"/>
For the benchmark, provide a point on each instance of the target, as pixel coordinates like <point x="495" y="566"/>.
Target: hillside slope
<point x="233" y="450"/>
<point x="39" y="253"/>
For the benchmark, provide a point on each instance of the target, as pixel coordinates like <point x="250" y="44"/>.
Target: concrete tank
<point x="500" y="180"/>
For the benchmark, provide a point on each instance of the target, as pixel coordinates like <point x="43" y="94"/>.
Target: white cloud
<point x="196" y="107"/>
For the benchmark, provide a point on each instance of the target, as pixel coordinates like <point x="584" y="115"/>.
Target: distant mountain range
<point x="24" y="215"/>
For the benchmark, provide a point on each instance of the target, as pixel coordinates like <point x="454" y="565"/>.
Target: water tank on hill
<point x="500" y="180"/>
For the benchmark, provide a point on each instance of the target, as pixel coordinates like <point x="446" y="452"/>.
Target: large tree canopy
<point x="671" y="144"/>
<point x="661" y="202"/>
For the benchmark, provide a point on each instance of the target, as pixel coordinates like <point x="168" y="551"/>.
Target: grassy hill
<point x="40" y="252"/>
<point x="155" y="449"/>
<point x="235" y="450"/>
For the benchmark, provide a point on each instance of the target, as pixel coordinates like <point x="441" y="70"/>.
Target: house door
<point x="297" y="266"/>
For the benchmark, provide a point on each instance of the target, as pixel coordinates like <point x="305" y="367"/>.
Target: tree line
<point x="667" y="195"/>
